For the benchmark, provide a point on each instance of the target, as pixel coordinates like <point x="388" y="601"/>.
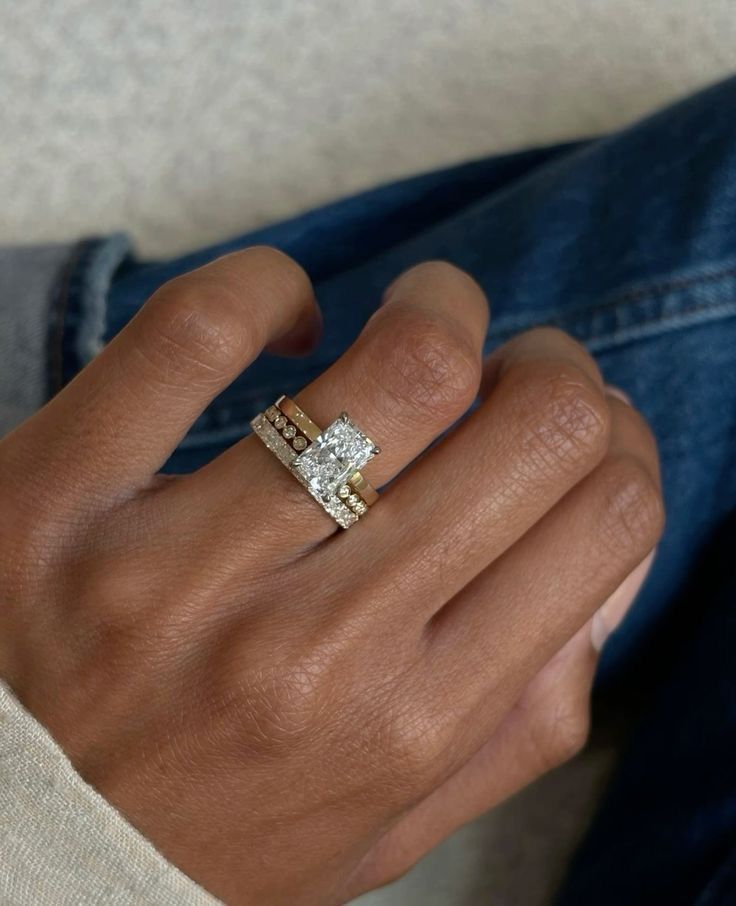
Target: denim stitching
<point x="659" y="325"/>
<point x="654" y="328"/>
<point x="650" y="290"/>
<point x="667" y="286"/>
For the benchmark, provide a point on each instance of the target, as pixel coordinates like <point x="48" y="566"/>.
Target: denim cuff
<point x="31" y="278"/>
<point x="79" y="315"/>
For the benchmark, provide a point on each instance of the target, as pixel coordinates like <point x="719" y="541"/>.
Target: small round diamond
<point x="280" y="422"/>
<point x="344" y="492"/>
<point x="272" y="413"/>
<point x="289" y="432"/>
<point x="353" y="500"/>
<point x="300" y="443"/>
<point x="360" y="507"/>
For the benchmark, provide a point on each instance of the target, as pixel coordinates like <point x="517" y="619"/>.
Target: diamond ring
<point x="327" y="463"/>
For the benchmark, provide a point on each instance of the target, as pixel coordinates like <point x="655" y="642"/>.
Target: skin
<point x="290" y="713"/>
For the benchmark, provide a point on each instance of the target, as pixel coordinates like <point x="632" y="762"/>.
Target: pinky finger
<point x="547" y="727"/>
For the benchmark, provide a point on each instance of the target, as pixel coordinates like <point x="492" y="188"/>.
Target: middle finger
<point x="543" y="428"/>
<point x="411" y="374"/>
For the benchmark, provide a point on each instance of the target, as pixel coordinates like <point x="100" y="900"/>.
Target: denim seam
<point x="667" y="286"/>
<point x="82" y="309"/>
<point x="692" y="308"/>
<point x="652" y="327"/>
<point x="105" y="258"/>
<point x="692" y="317"/>
<point x="60" y="294"/>
<point x="653" y="290"/>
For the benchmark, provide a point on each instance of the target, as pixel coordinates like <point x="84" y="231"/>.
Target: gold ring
<point x="326" y="462"/>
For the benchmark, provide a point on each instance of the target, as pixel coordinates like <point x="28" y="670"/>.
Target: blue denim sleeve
<point x="30" y="282"/>
<point x="629" y="243"/>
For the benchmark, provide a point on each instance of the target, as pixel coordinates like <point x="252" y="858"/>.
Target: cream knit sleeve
<point x="60" y="841"/>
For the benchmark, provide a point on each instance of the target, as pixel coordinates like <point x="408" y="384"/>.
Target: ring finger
<point x="411" y="374"/>
<point x="506" y="624"/>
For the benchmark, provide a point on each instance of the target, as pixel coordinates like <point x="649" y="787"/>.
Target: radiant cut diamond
<point x="339" y="451"/>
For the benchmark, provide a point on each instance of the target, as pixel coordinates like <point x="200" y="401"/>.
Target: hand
<point x="293" y="714"/>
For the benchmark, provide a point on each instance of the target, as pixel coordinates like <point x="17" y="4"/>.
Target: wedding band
<point x="326" y="462"/>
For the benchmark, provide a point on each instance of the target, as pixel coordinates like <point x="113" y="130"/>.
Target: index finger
<point x="119" y="420"/>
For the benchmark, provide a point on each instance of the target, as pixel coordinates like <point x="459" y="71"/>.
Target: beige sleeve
<point x="60" y="841"/>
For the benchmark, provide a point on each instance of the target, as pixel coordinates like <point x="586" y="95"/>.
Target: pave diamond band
<point x="326" y="462"/>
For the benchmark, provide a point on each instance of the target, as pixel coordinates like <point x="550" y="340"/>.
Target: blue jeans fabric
<point x="629" y="243"/>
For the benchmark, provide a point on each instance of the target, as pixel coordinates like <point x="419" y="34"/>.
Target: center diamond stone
<point x="339" y="451"/>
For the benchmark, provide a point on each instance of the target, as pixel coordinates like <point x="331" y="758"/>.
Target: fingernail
<point x="619" y="394"/>
<point x="610" y="615"/>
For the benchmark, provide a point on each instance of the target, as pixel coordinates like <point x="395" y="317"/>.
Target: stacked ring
<point x="326" y="462"/>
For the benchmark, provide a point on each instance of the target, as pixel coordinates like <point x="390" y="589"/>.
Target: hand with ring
<point x="290" y="712"/>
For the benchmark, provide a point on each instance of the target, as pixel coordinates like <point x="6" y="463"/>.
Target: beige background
<point x="183" y="122"/>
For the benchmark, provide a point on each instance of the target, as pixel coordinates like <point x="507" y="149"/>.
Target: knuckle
<point x="196" y="326"/>
<point x="279" y="707"/>
<point x="208" y="323"/>
<point x="417" y="751"/>
<point x="639" y="430"/>
<point x="564" y="418"/>
<point x="633" y="510"/>
<point x="564" y="345"/>
<point x="437" y="273"/>
<point x="424" y="362"/>
<point x="278" y="267"/>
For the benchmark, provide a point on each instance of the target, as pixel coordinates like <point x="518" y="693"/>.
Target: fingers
<point x="501" y="629"/>
<point x="543" y="428"/>
<point x="544" y="729"/>
<point x="610" y="615"/>
<point x="121" y="417"/>
<point x="415" y="369"/>
<point x="412" y="373"/>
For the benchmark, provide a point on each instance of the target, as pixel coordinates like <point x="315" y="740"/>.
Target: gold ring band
<point x="299" y="417"/>
<point x="326" y="462"/>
